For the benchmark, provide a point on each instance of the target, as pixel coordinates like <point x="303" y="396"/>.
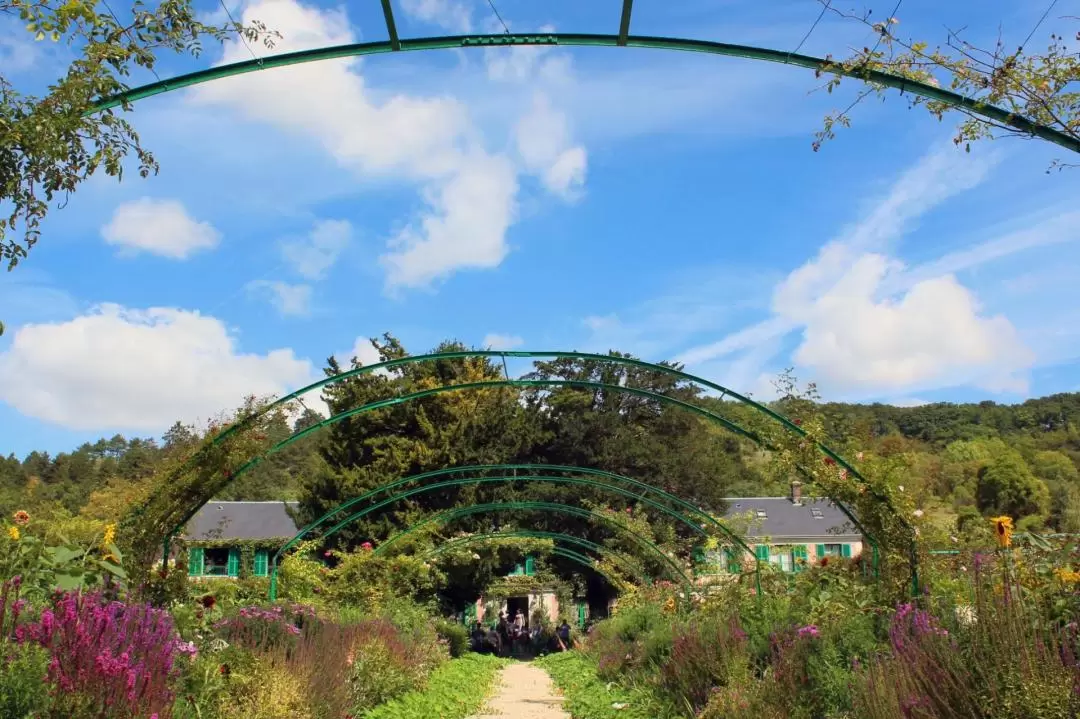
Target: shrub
<point x="456" y="690"/>
<point x="455" y="635"/>
<point x="387" y="662"/>
<point x="703" y="655"/>
<point x="23" y="693"/>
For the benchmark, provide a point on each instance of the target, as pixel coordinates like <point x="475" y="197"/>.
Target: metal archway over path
<point x="534" y="534"/>
<point x="565" y="469"/>
<point x="511" y="478"/>
<point x="250" y="420"/>
<point x="459" y="512"/>
<point x="623" y="39"/>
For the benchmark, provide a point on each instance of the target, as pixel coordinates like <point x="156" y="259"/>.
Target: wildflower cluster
<point x="910" y="624"/>
<point x="106" y="658"/>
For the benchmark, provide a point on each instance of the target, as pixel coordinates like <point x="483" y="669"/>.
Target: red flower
<point x="208" y="601"/>
<point x="830" y="461"/>
<point x="224" y="669"/>
<point x="824" y="562"/>
<point x="797" y="421"/>
<point x="366" y="546"/>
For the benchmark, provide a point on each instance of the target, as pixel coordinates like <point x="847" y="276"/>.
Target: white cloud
<point x="931" y="334"/>
<point x="470" y="194"/>
<point x="543" y="140"/>
<point x="160" y="227"/>
<point x="871" y="326"/>
<point x="363" y="350"/>
<point x="290" y="300"/>
<point x="501" y="342"/>
<point x="137" y="370"/>
<point x="315" y="254"/>
<point x="447" y="14"/>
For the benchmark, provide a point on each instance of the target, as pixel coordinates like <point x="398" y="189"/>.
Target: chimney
<point x="796" y="492"/>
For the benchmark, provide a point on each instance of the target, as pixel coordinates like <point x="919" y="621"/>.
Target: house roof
<point x="785" y="519"/>
<point x="242" y="520"/>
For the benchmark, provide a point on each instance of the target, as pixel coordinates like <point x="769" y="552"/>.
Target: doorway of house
<point x="513" y="604"/>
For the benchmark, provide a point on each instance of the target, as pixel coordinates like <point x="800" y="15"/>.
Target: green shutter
<point x="530" y="566"/>
<point x="234" y="561"/>
<point x="800" y="558"/>
<point x="734" y="566"/>
<point x="845" y="550"/>
<point x="261" y="562"/>
<point x="762" y="552"/>
<point x="820" y="552"/>
<point x="581" y="615"/>
<point x="195" y="562"/>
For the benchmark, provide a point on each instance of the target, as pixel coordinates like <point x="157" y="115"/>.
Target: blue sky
<point x="665" y="204"/>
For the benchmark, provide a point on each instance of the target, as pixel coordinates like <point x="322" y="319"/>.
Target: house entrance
<point x="513" y="604"/>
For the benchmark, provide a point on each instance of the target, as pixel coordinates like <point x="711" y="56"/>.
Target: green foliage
<point x="23" y="694"/>
<point x="44" y="567"/>
<point x="455" y="635"/>
<point x="587" y="696"/>
<point x="51" y="144"/>
<point x="455" y="690"/>
<point x="1007" y="487"/>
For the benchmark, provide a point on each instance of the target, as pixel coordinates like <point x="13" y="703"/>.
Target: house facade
<point x="237" y="539"/>
<point x="789" y="533"/>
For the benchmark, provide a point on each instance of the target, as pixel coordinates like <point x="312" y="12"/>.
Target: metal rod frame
<point x="470" y="469"/>
<point x="862" y="73"/>
<point x="783" y="421"/>
<point x="458" y="512"/>
<point x="535" y="534"/>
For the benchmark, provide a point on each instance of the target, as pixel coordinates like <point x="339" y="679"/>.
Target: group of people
<point x="513" y="637"/>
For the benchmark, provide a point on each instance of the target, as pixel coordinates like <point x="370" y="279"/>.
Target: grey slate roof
<point x="268" y="520"/>
<point x="242" y="520"/>
<point x="785" y="519"/>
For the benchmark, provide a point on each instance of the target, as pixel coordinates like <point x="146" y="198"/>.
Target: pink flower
<point x="366" y="546"/>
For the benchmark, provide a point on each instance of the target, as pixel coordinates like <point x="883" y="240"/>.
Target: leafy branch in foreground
<point x="50" y="144"/>
<point x="1038" y="88"/>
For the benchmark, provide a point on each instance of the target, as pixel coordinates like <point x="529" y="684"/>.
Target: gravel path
<point x="524" y="691"/>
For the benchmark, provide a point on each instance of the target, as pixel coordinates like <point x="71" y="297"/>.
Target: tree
<point x="50" y="144"/>
<point x="1007" y="486"/>
<point x="1035" y="88"/>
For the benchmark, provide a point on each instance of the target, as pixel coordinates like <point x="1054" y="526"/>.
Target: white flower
<point x="901" y="488"/>
<point x="917" y="512"/>
<point x="858" y="455"/>
<point x="954" y="539"/>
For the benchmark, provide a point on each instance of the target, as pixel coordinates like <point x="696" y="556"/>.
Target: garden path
<point x="524" y="691"/>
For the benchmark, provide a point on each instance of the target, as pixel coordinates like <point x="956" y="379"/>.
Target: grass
<point x="455" y="690"/>
<point x="587" y="696"/>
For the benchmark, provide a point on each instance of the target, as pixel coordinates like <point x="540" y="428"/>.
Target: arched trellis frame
<point x="459" y="512"/>
<point x="725" y="392"/>
<point x="535" y="478"/>
<point x="705" y="517"/>
<point x="623" y="39"/>
<point x="456" y="542"/>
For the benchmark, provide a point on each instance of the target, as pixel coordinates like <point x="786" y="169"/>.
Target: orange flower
<point x="1003" y="528"/>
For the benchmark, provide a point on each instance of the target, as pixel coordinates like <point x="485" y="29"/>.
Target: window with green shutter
<point x="234" y="561"/>
<point x="762" y="551"/>
<point x="801" y="557"/>
<point x="845" y="550"/>
<point x="734" y="565"/>
<point x="195" y="562"/>
<point x="530" y="566"/>
<point x="262" y="562"/>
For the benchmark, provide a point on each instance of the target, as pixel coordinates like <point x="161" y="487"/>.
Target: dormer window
<point x="761" y="514"/>
<point x="816" y="513"/>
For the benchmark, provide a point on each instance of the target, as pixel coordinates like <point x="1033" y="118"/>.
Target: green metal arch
<point x="543" y="506"/>
<point x="481" y="480"/>
<point x="534" y="534"/>
<point x="381" y="404"/>
<point x="515" y="467"/>
<point x="624" y="361"/>
<point x="864" y="74"/>
<point x="557" y="551"/>
<point x="459" y="512"/>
